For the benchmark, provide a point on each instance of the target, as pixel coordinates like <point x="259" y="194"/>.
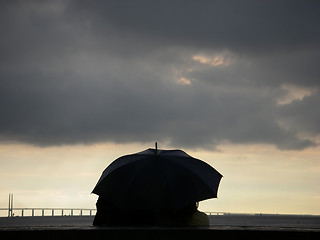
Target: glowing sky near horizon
<point x="256" y="178"/>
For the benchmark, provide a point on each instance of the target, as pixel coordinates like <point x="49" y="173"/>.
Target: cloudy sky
<point x="235" y="83"/>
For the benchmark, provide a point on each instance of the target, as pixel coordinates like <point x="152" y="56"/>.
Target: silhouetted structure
<point x="10" y="211"/>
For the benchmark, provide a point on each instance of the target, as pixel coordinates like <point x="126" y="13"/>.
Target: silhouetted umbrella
<point x="157" y="180"/>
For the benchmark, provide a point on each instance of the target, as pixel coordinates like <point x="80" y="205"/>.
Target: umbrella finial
<point x="156" y="147"/>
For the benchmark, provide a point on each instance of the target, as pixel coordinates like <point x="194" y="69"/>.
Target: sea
<point x="226" y="221"/>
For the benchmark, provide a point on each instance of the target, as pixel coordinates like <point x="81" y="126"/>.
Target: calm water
<point x="274" y="221"/>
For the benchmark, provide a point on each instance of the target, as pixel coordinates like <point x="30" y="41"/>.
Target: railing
<point x="31" y="212"/>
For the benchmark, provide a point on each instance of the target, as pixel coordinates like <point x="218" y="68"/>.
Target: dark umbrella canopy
<point x="157" y="180"/>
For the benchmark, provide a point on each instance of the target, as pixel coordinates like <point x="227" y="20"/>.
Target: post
<point x="156" y="147"/>
<point x="42" y="212"/>
<point x="32" y="212"/>
<point x="61" y="212"/>
<point x="12" y="205"/>
<point x="10" y="208"/>
<point x="22" y="212"/>
<point x="52" y="212"/>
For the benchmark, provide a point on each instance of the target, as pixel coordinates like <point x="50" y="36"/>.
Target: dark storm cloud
<point x="236" y="25"/>
<point x="196" y="74"/>
<point x="304" y="115"/>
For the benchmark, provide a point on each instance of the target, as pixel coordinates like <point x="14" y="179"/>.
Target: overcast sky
<point x="193" y="74"/>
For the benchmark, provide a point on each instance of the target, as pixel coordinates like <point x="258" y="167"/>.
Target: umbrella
<point x="157" y="180"/>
